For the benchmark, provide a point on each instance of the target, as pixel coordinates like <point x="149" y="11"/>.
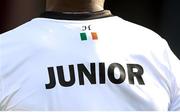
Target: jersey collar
<point x="76" y="15"/>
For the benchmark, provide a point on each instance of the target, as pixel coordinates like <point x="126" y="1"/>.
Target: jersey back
<point x="100" y="64"/>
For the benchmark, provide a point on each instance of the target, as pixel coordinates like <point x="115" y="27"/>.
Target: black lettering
<point x="61" y="77"/>
<point x="138" y="74"/>
<point x="84" y="28"/>
<point x="52" y="79"/>
<point x="102" y="73"/>
<point x="133" y="70"/>
<point x="91" y="76"/>
<point x="89" y="27"/>
<point x="111" y="74"/>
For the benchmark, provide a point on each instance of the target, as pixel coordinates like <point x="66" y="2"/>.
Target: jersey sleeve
<point x="1" y="88"/>
<point x="1" y="92"/>
<point x="1" y="74"/>
<point x="174" y="70"/>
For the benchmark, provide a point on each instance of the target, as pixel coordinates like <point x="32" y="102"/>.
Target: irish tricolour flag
<point x="85" y="36"/>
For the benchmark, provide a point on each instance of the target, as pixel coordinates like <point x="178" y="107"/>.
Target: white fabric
<point x="28" y="51"/>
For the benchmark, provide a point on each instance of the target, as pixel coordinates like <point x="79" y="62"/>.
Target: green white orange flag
<point x="84" y="36"/>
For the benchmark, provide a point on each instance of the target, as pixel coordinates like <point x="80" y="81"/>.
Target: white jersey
<point x="96" y="64"/>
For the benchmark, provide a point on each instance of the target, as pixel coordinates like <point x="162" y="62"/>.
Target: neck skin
<point x="74" y="5"/>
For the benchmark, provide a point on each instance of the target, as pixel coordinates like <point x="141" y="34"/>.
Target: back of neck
<point x="74" y="5"/>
